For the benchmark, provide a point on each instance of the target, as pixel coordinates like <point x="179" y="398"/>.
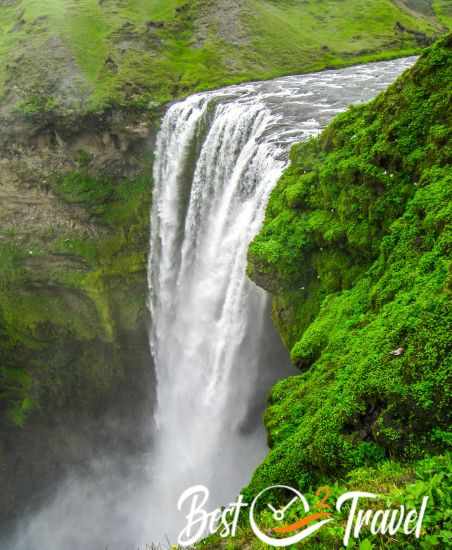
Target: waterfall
<point x="219" y="154"/>
<point x="213" y="174"/>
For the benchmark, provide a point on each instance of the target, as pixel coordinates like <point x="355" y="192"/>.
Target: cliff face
<point x="82" y="85"/>
<point x="75" y="368"/>
<point x="356" y="250"/>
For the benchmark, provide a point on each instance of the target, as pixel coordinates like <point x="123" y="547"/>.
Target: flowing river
<point x="218" y="156"/>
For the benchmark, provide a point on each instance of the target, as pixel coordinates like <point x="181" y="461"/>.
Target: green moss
<point x="10" y="263"/>
<point x="121" y="255"/>
<point x="66" y="298"/>
<point x="15" y="387"/>
<point x="36" y="104"/>
<point x="443" y="10"/>
<point x="356" y="249"/>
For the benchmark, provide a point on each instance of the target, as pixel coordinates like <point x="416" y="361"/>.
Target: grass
<point x="112" y="54"/>
<point x="443" y="9"/>
<point x="83" y="26"/>
<point x="396" y="484"/>
<point x="342" y="27"/>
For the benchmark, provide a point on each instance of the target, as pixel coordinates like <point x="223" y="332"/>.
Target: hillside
<point x="70" y="56"/>
<point x="356" y="249"/>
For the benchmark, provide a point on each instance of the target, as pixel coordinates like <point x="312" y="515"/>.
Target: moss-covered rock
<point x="65" y="287"/>
<point x="75" y="368"/>
<point x="356" y="248"/>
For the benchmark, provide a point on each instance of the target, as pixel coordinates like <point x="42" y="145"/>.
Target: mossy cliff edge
<point x="82" y="85"/>
<point x="356" y="250"/>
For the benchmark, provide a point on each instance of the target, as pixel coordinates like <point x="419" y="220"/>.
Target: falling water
<point x="219" y="154"/>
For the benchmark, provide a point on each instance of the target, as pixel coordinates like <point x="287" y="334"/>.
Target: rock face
<point x="75" y="365"/>
<point x="69" y="431"/>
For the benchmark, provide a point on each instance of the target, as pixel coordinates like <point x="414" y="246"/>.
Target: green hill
<point x="356" y="249"/>
<point x="65" y="55"/>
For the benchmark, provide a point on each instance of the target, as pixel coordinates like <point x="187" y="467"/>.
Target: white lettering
<point x="225" y="521"/>
<point x="417" y="533"/>
<point x="197" y="517"/>
<point x="354" y="496"/>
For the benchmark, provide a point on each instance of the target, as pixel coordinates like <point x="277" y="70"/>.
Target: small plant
<point x="37" y="105"/>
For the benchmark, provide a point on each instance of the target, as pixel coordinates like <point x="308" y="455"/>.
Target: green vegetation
<point x="87" y="55"/>
<point x="397" y="484"/>
<point x="356" y="248"/>
<point x="69" y="291"/>
<point x="443" y="9"/>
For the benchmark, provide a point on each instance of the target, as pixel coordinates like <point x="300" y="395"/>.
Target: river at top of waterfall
<point x="218" y="156"/>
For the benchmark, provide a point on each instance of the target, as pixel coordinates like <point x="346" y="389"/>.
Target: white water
<point x="219" y="154"/>
<point x="209" y="320"/>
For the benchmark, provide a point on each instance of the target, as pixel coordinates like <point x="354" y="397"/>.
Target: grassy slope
<point x="397" y="484"/>
<point x="356" y="249"/>
<point x="443" y="9"/>
<point x="115" y="55"/>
